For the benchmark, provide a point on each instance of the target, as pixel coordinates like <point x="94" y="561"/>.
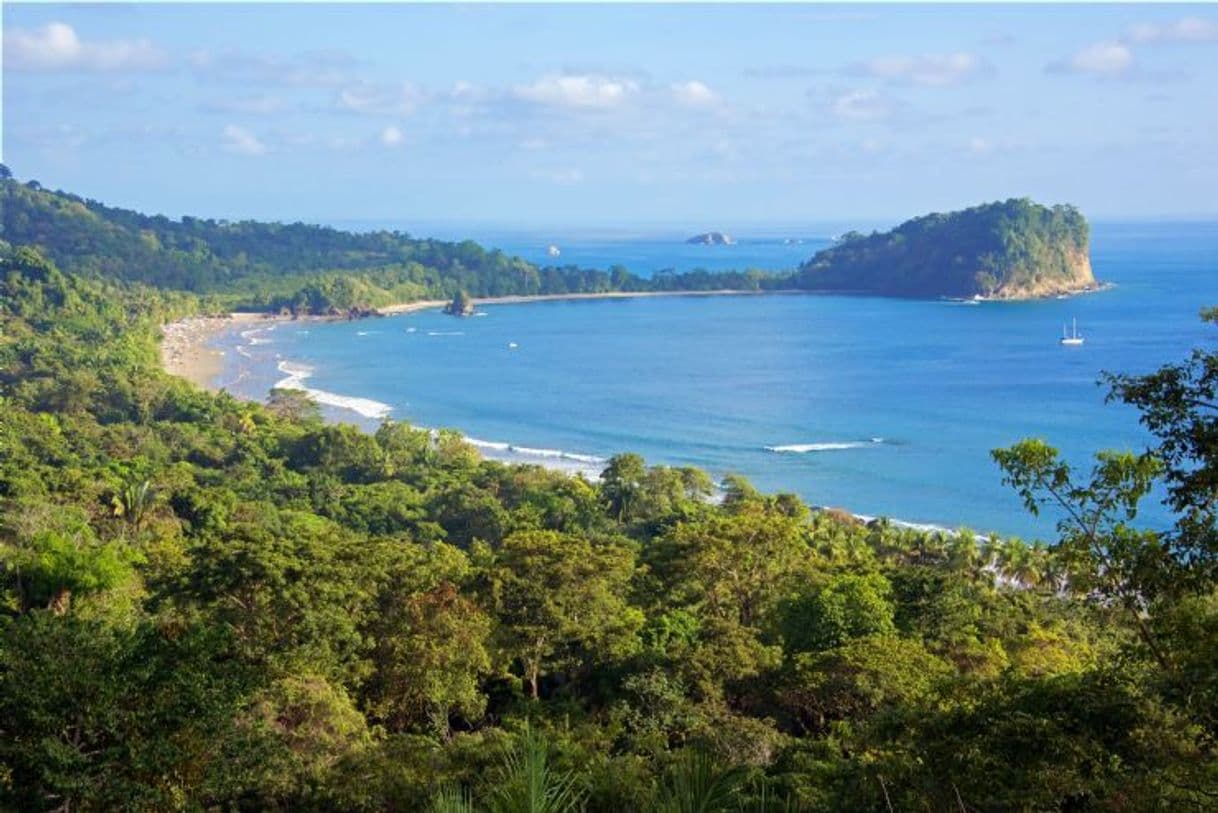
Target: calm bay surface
<point x="880" y="406"/>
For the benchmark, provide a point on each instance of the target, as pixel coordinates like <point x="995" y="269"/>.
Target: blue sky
<point x="607" y="115"/>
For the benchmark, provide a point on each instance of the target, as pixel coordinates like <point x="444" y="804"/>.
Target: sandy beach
<point x="184" y="350"/>
<point x="427" y="304"/>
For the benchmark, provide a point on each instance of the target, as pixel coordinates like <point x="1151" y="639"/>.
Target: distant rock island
<point x="711" y="238"/>
<point x="1015" y="249"/>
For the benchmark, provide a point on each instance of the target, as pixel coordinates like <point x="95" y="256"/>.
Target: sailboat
<point x="1072" y="337"/>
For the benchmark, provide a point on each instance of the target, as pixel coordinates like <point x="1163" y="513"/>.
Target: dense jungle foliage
<point x="207" y="604"/>
<point x="299" y="267"/>
<point x="1015" y="248"/>
<point x="1011" y="248"/>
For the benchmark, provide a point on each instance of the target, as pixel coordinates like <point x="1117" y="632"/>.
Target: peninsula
<point x="1014" y="249"/>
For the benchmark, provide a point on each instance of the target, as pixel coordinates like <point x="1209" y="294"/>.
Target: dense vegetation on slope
<point x="305" y="268"/>
<point x="210" y="604"/>
<point x="1012" y="249"/>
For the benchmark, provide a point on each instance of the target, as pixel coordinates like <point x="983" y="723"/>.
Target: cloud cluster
<point x="1186" y="29"/>
<point x="578" y="91"/>
<point x="1116" y="58"/>
<point x="1104" y="59"/>
<point x="695" y="94"/>
<point x="57" y="47"/>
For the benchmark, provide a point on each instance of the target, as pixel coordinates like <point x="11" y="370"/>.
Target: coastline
<point x="184" y="347"/>
<point x="524" y="299"/>
<point x="185" y="352"/>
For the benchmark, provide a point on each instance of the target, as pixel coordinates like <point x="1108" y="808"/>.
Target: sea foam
<point x="297" y="374"/>
<point x="805" y="448"/>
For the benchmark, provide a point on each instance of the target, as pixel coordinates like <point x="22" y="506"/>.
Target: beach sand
<point x="184" y="350"/>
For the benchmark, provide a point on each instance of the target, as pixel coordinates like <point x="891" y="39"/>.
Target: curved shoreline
<point x="184" y="344"/>
<point x="185" y="354"/>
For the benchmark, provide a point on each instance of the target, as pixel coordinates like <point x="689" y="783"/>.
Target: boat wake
<point x="297" y="374"/>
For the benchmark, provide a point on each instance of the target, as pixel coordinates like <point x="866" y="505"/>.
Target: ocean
<point x="883" y="407"/>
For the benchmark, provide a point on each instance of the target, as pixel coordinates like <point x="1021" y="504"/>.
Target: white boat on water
<point x="1072" y="337"/>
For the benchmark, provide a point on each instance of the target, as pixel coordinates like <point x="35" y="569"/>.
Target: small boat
<point x="512" y="345"/>
<point x="1072" y="337"/>
<point x="553" y="251"/>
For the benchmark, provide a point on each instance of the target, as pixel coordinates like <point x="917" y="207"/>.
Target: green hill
<point x="1015" y="249"/>
<point x="297" y="266"/>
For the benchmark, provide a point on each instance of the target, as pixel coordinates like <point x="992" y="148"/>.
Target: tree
<point x="855" y="680"/>
<point x="431" y="653"/>
<point x="95" y="716"/>
<point x="849" y="606"/>
<point x="731" y="566"/>
<point x="1106" y="556"/>
<point x="52" y="567"/>
<point x="556" y="595"/>
<point x="622" y="483"/>
<point x="1179" y="405"/>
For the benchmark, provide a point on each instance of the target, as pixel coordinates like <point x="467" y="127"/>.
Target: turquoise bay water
<point x="881" y="406"/>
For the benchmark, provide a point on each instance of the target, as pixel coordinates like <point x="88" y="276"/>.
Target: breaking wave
<point x="833" y="446"/>
<point x="297" y="374"/>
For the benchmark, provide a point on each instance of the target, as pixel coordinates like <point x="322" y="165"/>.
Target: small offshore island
<point x="711" y="238"/>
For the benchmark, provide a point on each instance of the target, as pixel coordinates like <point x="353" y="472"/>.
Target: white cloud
<point x="380" y="100"/>
<point x="578" y="91"/>
<point x="1186" y="29"/>
<point x="861" y="105"/>
<point x="241" y="141"/>
<point x="694" y="94"/>
<point x="392" y="137"/>
<point x="1105" y="59"/>
<point x="931" y="69"/>
<point x="57" y="47"/>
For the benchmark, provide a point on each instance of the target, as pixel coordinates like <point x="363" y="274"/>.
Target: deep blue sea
<point x="880" y="406"/>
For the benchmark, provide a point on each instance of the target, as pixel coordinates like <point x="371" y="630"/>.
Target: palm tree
<point x="529" y="784"/>
<point x="963" y="552"/>
<point x="451" y="799"/>
<point x="133" y="502"/>
<point x="697" y="784"/>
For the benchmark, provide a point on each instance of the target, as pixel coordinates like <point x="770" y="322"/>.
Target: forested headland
<point x="1009" y="250"/>
<point x="1015" y="249"/>
<point x="213" y="604"/>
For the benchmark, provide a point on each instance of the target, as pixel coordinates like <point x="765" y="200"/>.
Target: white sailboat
<point x="1071" y="338"/>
